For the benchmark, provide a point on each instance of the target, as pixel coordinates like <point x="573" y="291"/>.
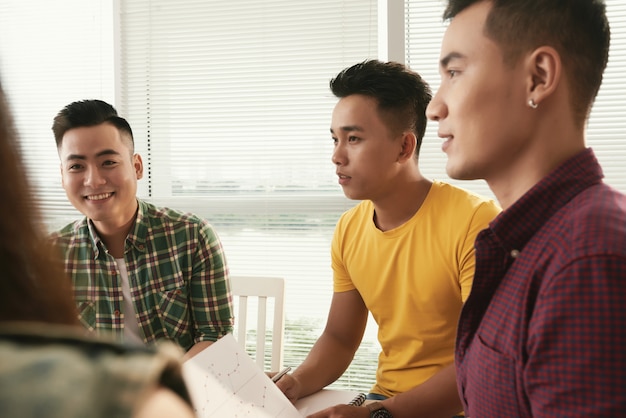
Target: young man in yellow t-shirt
<point x="405" y="253"/>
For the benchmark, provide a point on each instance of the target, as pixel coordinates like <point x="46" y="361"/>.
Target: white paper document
<point x="223" y="381"/>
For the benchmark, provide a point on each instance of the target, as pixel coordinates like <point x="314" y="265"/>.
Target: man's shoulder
<point x="459" y="195"/>
<point x="167" y="214"/>
<point x="601" y="198"/>
<point x="70" y="231"/>
<point x="447" y="199"/>
<point x="596" y="216"/>
<point x="358" y="211"/>
<point x="161" y="216"/>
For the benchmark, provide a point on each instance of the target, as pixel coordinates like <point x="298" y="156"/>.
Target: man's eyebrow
<point x="100" y="154"/>
<point x="451" y="56"/>
<point x="349" y="128"/>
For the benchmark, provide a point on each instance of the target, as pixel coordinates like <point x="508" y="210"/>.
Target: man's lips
<point x="447" y="140"/>
<point x="100" y="196"/>
<point x="343" y="179"/>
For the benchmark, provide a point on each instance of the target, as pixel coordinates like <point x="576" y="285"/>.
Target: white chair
<point x="260" y="288"/>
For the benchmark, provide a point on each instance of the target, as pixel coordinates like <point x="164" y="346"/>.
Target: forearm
<point x="334" y="350"/>
<point x="326" y="362"/>
<point x="196" y="348"/>
<point x="437" y="397"/>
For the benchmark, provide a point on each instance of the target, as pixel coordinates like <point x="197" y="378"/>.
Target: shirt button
<point x="116" y="313"/>
<point x="514" y="253"/>
<point x="141" y="247"/>
<point x="178" y="291"/>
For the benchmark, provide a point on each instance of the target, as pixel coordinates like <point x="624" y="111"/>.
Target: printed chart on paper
<point x="224" y="381"/>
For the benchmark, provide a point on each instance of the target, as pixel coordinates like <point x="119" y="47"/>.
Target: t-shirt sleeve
<point x="483" y="215"/>
<point x="341" y="279"/>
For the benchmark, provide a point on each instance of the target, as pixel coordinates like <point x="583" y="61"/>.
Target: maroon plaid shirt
<point x="543" y="333"/>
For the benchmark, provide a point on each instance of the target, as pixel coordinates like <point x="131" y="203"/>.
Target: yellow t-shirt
<point x="413" y="279"/>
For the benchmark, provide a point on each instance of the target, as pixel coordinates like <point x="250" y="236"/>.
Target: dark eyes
<point x="350" y="139"/>
<point x="77" y="167"/>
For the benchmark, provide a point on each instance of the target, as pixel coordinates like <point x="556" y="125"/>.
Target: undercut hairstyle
<point x="402" y="95"/>
<point x="577" y="29"/>
<point x="86" y="113"/>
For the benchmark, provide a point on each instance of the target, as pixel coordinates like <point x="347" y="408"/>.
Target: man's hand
<point x="289" y="385"/>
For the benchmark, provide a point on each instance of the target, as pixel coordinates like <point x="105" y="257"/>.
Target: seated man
<point x="405" y="253"/>
<point x="49" y="368"/>
<point x="141" y="272"/>
<point x="542" y="334"/>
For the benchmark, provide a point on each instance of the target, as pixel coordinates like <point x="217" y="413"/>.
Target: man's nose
<point x="338" y="157"/>
<point x="93" y="177"/>
<point x="436" y="109"/>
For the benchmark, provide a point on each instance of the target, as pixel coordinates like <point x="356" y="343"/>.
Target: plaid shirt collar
<point x="136" y="236"/>
<point x="515" y="226"/>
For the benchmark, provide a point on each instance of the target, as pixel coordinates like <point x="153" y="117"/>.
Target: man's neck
<point x="114" y="236"/>
<point x="529" y="170"/>
<point x="402" y="205"/>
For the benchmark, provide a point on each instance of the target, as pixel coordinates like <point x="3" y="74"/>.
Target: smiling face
<point x="481" y="105"/>
<point x="99" y="174"/>
<point x="366" y="151"/>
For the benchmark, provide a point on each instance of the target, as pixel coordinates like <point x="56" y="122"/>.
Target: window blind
<point x="49" y="57"/>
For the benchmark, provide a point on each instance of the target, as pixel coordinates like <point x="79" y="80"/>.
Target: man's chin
<point x="95" y="214"/>
<point x="352" y="195"/>
<point x="460" y="173"/>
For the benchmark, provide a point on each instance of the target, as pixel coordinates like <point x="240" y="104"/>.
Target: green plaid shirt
<point x="177" y="272"/>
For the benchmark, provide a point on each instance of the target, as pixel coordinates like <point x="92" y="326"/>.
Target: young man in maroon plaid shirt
<point x="542" y="332"/>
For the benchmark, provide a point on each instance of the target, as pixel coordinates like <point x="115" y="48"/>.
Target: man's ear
<point x="409" y="142"/>
<point x="545" y="69"/>
<point x="138" y="164"/>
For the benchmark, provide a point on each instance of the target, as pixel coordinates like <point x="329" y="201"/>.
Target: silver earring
<point x="532" y="104"/>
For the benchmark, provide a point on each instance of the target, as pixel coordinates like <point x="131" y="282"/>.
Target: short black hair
<point x="578" y="30"/>
<point x="402" y="95"/>
<point x="84" y="113"/>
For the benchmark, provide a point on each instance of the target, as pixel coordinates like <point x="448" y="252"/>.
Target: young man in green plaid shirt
<point x="140" y="272"/>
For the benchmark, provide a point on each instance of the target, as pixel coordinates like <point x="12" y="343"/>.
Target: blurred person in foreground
<point x="48" y="368"/>
<point x="405" y="253"/>
<point x="143" y="273"/>
<point x="542" y="333"/>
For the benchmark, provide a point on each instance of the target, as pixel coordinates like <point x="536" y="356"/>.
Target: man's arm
<point x="163" y="402"/>
<point x="210" y="299"/>
<point x="196" y="348"/>
<point x="332" y="353"/>
<point x="436" y="397"/>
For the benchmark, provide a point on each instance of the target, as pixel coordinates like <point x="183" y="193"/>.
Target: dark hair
<point x="402" y="95"/>
<point x="577" y="29"/>
<point x="88" y="113"/>
<point x="33" y="284"/>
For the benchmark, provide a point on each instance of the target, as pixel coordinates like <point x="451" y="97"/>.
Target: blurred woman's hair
<point x="33" y="284"/>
